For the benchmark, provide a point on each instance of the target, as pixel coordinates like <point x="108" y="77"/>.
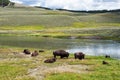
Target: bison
<point x="52" y="60"/>
<point x="35" y="53"/>
<point x="107" y="56"/>
<point x="79" y="55"/>
<point x="104" y="62"/>
<point x="61" y="53"/>
<point x="26" y="51"/>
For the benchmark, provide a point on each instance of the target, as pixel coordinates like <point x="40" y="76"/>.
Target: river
<point x="87" y="46"/>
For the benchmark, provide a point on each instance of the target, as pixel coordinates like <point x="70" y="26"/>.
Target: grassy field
<point x="60" y="24"/>
<point x="14" y="65"/>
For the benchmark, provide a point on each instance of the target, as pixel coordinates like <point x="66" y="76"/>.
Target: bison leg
<point x="54" y="56"/>
<point x="80" y="58"/>
<point x="61" y="57"/>
<point x="75" y="57"/>
<point x="83" y="57"/>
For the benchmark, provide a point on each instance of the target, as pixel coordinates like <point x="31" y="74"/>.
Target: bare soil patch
<point x="40" y="72"/>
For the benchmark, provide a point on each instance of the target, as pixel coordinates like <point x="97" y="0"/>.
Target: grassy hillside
<point x="57" y="23"/>
<point x="52" y="18"/>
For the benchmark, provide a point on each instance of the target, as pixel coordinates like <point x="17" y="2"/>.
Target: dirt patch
<point x="40" y="72"/>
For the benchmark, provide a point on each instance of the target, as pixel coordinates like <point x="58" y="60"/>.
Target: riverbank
<point x="17" y="66"/>
<point x="107" y="33"/>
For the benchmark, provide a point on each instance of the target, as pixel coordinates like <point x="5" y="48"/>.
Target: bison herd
<point x="61" y="53"/>
<point x="35" y="53"/>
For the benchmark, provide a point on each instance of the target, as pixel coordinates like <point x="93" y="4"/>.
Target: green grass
<point x="103" y="72"/>
<point x="58" y="24"/>
<point x="10" y="70"/>
<point x="64" y="76"/>
<point x="21" y="28"/>
<point x="16" y="67"/>
<point x="52" y="18"/>
<point x="98" y="71"/>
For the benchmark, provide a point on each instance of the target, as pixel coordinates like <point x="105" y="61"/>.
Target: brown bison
<point x="107" y="56"/>
<point x="52" y="60"/>
<point x="35" y="53"/>
<point x="104" y="62"/>
<point x="26" y="51"/>
<point x="61" y="53"/>
<point x="79" y="55"/>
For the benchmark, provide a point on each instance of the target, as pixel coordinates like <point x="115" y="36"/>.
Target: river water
<point x="89" y="47"/>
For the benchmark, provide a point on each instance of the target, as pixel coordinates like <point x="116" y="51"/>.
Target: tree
<point x="4" y="2"/>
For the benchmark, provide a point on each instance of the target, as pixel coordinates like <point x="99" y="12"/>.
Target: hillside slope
<point x="51" y="22"/>
<point x="37" y="16"/>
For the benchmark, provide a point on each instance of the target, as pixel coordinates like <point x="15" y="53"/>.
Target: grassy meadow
<point x="59" y="24"/>
<point x="14" y="65"/>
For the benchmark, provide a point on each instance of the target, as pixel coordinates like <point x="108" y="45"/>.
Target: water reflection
<point x="97" y="47"/>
